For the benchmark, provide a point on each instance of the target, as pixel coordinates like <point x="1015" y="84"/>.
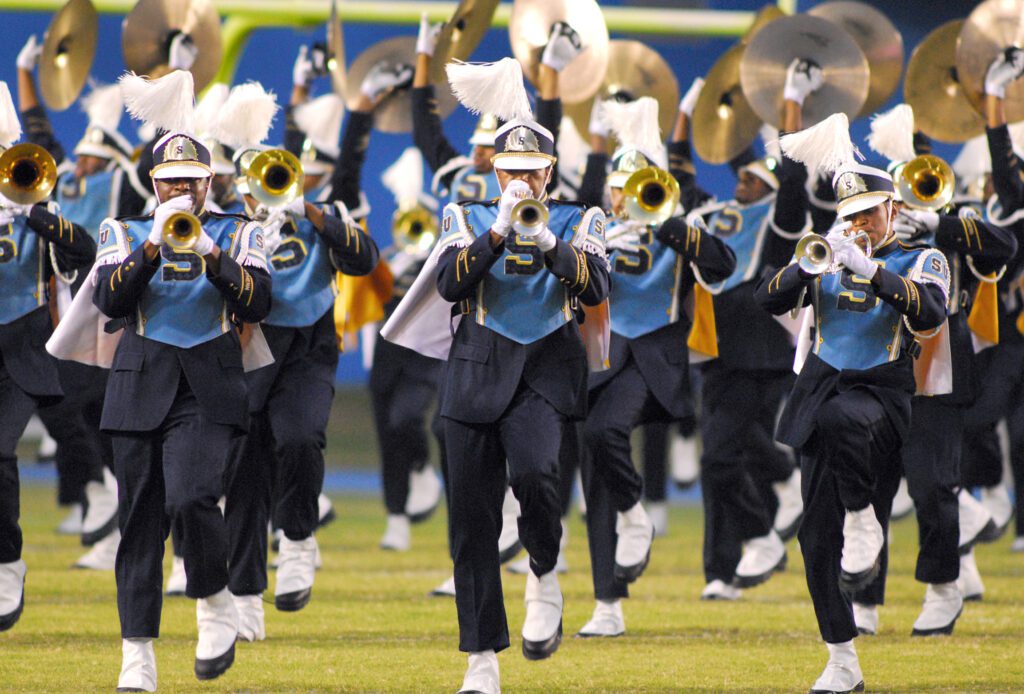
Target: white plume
<point x="404" y="178"/>
<point x="770" y="138"/>
<point x="973" y="161"/>
<point x="10" y="126"/>
<point x="635" y="123"/>
<point x="104" y="105"/>
<point x="321" y="120"/>
<point x="822" y="148"/>
<point x="246" y="116"/>
<point x="208" y="108"/>
<point x="166" y="102"/>
<point x="892" y="133"/>
<point x="491" y="88"/>
<point x="572" y="152"/>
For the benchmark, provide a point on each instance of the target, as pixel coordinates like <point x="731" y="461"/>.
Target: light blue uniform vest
<point x="304" y="287"/>
<point x="470" y="186"/>
<point x="23" y="261"/>
<point x="644" y="287"/>
<point x="87" y="201"/>
<point x="742" y="228"/>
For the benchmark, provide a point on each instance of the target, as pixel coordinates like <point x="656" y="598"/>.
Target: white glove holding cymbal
<point x="802" y="78"/>
<point x="28" y="56"/>
<point x="1004" y="70"/>
<point x="562" y="48"/>
<point x="183" y="52"/>
<point x="426" y="40"/>
<point x="689" y="100"/>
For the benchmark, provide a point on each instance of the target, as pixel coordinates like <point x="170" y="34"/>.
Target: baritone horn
<point x="275" y="177"/>
<point x="27" y="174"/>
<point x="815" y="254"/>
<point x="181" y="231"/>
<point x="414" y="229"/>
<point x="529" y="216"/>
<point x="926" y="183"/>
<point x="651" y="195"/>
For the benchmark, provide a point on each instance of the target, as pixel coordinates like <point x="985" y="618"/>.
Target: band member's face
<point x="537" y="179"/>
<point x="221" y="185"/>
<point x="87" y="165"/>
<point x="167" y="188"/>
<point x="482" y="159"/>
<point x="618" y="201"/>
<point x="750" y="188"/>
<point x="876" y="221"/>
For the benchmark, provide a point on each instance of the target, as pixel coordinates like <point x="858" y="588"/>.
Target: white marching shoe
<point x="1018" y="544"/>
<point x="633" y="548"/>
<point x="325" y="514"/>
<point x="942" y="606"/>
<point x="482" y="674"/>
<point x="902" y="503"/>
<point x="975" y="520"/>
<point x="762" y="556"/>
<point x="12" y="593"/>
<point x="102" y="555"/>
<point x="508" y="541"/>
<point x="842" y="673"/>
<point x="866" y="618"/>
<point x="217" y="620"/>
<point x="970" y="584"/>
<point x="607" y="621"/>
<point x="424" y="494"/>
<point x="862" y="549"/>
<point x="997" y="500"/>
<point x="72" y="523"/>
<point x="684" y="460"/>
<point x="397" y="534"/>
<point x="138" y="666"/>
<point x="791" y="506"/>
<point x="445" y="590"/>
<point x="101" y="512"/>
<point x="658" y="513"/>
<point x="542" y="627"/>
<point x="251" y="626"/>
<point x="720" y="590"/>
<point x="177" y="581"/>
<point x="296" y="567"/>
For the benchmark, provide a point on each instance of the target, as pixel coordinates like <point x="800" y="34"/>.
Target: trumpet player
<point x="849" y="410"/>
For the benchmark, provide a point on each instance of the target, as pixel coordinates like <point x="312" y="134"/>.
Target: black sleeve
<point x="680" y="165"/>
<point x="990" y="247"/>
<point x="715" y="260"/>
<point x="72" y="244"/>
<point x="119" y="287"/>
<point x="922" y="143"/>
<point x="549" y="115"/>
<point x="823" y="205"/>
<point x="461" y="269"/>
<point x="782" y="291"/>
<point x="427" y="134"/>
<point x="1006" y="170"/>
<point x="584" y="275"/>
<point x="922" y="303"/>
<point x="352" y="250"/>
<point x="293" y="137"/>
<point x="791" y="200"/>
<point x="591" y="191"/>
<point x="346" y="177"/>
<point x="38" y="131"/>
<point x="246" y="289"/>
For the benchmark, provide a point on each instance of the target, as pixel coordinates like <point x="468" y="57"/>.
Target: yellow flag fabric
<point x="703" y="334"/>
<point x="984" y="317"/>
<point x="360" y="301"/>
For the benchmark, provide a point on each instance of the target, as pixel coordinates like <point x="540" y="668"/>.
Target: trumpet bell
<point x="181" y="231"/>
<point x="414" y="229"/>
<point x="529" y="216"/>
<point x="814" y="255"/>
<point x="275" y="177"/>
<point x="27" y="174"/>
<point x="651" y="195"/>
<point x="926" y="183"/>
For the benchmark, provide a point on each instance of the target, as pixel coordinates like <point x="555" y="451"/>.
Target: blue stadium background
<point x="269" y="54"/>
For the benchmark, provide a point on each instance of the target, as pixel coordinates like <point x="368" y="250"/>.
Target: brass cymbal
<point x="528" y="30"/>
<point x="68" y="50"/>
<point x="768" y="55"/>
<point x="634" y="70"/>
<point x="336" y="51"/>
<point x="151" y="25"/>
<point x="461" y="35"/>
<point x="941" y="108"/>
<point x="877" y="37"/>
<point x="765" y="16"/>
<point x="394" y="114"/>
<point x="724" y="124"/>
<point x="992" y="27"/>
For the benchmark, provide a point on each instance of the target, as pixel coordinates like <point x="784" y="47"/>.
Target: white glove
<point x="837" y="233"/>
<point x="296" y="208"/>
<point x="182" y="203"/>
<point x="182" y="53"/>
<point x="11" y="209"/>
<point x="426" y="40"/>
<point x="303" y="71"/>
<point x="624" y="237"/>
<point x="689" y="100"/>
<point x="924" y="220"/>
<point x="204" y="244"/>
<point x="514" y="192"/>
<point x="562" y="48"/>
<point x="802" y="78"/>
<point x="598" y="125"/>
<point x="543" y="237"/>
<point x="904" y="231"/>
<point x="852" y="256"/>
<point x="1006" y="68"/>
<point x="5" y="218"/>
<point x="384" y="77"/>
<point x="28" y="56"/>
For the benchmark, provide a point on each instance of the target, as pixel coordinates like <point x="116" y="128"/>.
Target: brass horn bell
<point x="27" y="174"/>
<point x="275" y="177"/>
<point x="529" y="216"/>
<point x="651" y="195"/>
<point x="926" y="183"/>
<point x="414" y="229"/>
<point x="181" y="231"/>
<point x="815" y="254"/>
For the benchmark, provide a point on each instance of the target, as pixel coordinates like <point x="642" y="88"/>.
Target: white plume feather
<point x="404" y="178"/>
<point x="823" y="148"/>
<point x="321" y="120"/>
<point x="635" y="123"/>
<point x="892" y="133"/>
<point x="246" y="116"/>
<point x="10" y="126"/>
<point x="104" y="105"/>
<point x="166" y="102"/>
<point x="770" y="137"/>
<point x="208" y="108"/>
<point x="491" y="88"/>
<point x="572" y="152"/>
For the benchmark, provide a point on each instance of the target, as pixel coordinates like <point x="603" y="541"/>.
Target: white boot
<point x="508" y="541"/>
<point x="762" y="557"/>
<point x="842" y="672"/>
<point x="684" y="461"/>
<point x="424" y="494"/>
<point x="296" y="567"/>
<point x="720" y="590"/>
<point x="607" y="621"/>
<point x="658" y="513"/>
<point x="942" y="606"/>
<point x="101" y="515"/>
<point x="542" y="628"/>
<point x="445" y="590"/>
<point x="102" y="555"/>
<point x="12" y="593"/>
<point x="482" y="674"/>
<point x="138" y="666"/>
<point x="217" y="620"/>
<point x="177" y="581"/>
<point x="902" y="503"/>
<point x="397" y="535"/>
<point x="250" y="617"/>
<point x="862" y="547"/>
<point x="970" y="584"/>
<point x="997" y="500"/>
<point x="633" y="548"/>
<point x="866" y="618"/>
<point x="975" y="520"/>
<point x="791" y="506"/>
<point x="72" y="523"/>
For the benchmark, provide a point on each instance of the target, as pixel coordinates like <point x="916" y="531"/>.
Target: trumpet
<point x="651" y="195"/>
<point x="27" y="174"/>
<point x="275" y="177"/>
<point x="181" y="231"/>
<point x="926" y="183"/>
<point x="414" y="229"/>
<point x="815" y="254"/>
<point x="529" y="216"/>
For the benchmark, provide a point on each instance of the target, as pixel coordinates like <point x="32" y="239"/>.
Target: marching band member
<point x="35" y="243"/>
<point x="849" y="410"/>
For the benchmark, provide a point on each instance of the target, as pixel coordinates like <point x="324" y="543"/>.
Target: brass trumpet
<point x="275" y="177"/>
<point x="815" y="254"/>
<point x="27" y="174"/>
<point x="529" y="216"/>
<point x="181" y="231"/>
<point x="926" y="183"/>
<point x="651" y="195"/>
<point x="414" y="229"/>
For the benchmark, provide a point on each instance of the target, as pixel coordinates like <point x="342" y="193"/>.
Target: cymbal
<point x="336" y="51"/>
<point x="724" y="124"/>
<point x="877" y="37"/>
<point x="941" y="108"/>
<point x="394" y="114"/>
<point x="634" y="70"/>
<point x="765" y="16"/>
<point x="769" y="53"/>
<point x="993" y="26"/>
<point x="461" y="35"/>
<point x="68" y="51"/>
<point x="148" y="29"/>
<point x="528" y="30"/>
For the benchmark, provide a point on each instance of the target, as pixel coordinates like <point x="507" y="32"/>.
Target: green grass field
<point x="372" y="628"/>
